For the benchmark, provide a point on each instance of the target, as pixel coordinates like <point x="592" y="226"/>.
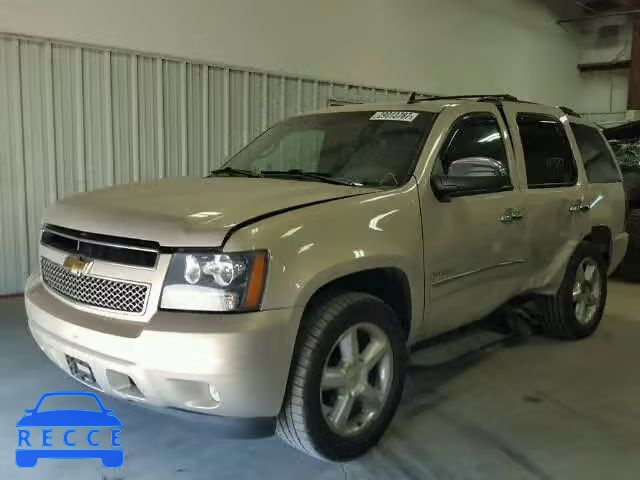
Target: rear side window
<point x="547" y="153"/>
<point x="598" y="162"/>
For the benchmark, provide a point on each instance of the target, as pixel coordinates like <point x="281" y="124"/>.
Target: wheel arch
<point x="602" y="237"/>
<point x="551" y="278"/>
<point x="390" y="284"/>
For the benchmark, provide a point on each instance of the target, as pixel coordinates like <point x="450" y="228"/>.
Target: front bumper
<point x="176" y="359"/>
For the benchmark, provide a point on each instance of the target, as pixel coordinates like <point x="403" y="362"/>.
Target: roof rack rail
<point x="569" y="111"/>
<point x="413" y="98"/>
<point x="497" y="98"/>
<point x="341" y="102"/>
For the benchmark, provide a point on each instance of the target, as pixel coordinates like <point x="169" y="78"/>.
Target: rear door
<point x="603" y="191"/>
<point x="554" y="191"/>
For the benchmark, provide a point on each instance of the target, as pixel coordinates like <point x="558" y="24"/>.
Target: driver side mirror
<point x="471" y="176"/>
<point x="476" y="167"/>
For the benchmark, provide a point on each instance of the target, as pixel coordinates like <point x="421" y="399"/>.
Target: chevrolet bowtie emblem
<point x="77" y="265"/>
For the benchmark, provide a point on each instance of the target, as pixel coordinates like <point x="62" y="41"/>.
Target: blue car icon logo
<point x="35" y="433"/>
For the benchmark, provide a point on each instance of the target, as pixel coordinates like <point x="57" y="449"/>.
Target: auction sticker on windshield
<point x="393" y="115"/>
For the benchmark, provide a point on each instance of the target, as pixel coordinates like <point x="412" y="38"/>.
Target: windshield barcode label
<point x="393" y="115"/>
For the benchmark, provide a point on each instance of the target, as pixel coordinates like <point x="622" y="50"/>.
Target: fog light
<point x="215" y="394"/>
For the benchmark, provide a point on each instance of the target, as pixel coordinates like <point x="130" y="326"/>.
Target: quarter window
<point x="596" y="156"/>
<point x="473" y="136"/>
<point x="547" y="153"/>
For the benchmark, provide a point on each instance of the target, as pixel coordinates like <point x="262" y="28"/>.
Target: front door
<point x="474" y="250"/>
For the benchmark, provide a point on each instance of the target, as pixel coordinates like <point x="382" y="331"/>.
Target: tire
<point x="630" y="266"/>
<point x="559" y="312"/>
<point x="302" y="422"/>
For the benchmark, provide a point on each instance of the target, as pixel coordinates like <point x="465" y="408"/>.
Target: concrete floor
<point x="543" y="410"/>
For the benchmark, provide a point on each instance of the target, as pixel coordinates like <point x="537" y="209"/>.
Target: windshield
<point x="365" y="148"/>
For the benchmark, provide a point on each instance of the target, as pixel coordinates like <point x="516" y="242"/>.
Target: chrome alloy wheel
<point x="356" y="379"/>
<point x="587" y="291"/>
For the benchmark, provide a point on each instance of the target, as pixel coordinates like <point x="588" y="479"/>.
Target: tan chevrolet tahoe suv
<point x="281" y="293"/>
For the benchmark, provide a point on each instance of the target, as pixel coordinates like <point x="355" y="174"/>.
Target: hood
<point x="188" y="211"/>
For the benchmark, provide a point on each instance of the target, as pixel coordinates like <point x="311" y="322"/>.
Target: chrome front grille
<point x="124" y="251"/>
<point x="99" y="292"/>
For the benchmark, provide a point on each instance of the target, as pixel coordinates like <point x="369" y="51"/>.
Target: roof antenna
<point x="412" y="98"/>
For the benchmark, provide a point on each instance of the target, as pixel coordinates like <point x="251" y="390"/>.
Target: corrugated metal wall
<point x="75" y="118"/>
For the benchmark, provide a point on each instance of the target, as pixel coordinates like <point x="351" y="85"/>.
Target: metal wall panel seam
<point x="245" y="108"/>
<point x="265" y="103"/>
<point x="315" y="94"/>
<point x="21" y="193"/>
<point x="143" y="106"/>
<point x="183" y="118"/>
<point x="6" y="174"/>
<point x="49" y="120"/>
<point x="79" y="97"/>
<point x="283" y="97"/>
<point x="299" y="99"/>
<point x="108" y="118"/>
<point x="11" y="194"/>
<point x="135" y="149"/>
<point x="31" y="140"/>
<point x="226" y="115"/>
<point x="205" y="119"/>
<point x="8" y="274"/>
<point x="160" y="117"/>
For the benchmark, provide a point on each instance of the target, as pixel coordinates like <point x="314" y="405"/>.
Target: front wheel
<point x="347" y="377"/>
<point x="576" y="309"/>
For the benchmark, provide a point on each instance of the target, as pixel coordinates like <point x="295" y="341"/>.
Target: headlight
<point x="215" y="282"/>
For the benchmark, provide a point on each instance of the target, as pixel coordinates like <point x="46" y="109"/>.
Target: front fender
<point x="315" y="245"/>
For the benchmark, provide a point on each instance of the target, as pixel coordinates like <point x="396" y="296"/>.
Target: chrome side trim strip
<point x="477" y="270"/>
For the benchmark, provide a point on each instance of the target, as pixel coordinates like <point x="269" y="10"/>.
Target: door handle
<point x="579" y="206"/>
<point x="511" y="215"/>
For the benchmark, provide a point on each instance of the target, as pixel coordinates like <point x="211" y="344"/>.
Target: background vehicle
<point x="625" y="141"/>
<point x="283" y="291"/>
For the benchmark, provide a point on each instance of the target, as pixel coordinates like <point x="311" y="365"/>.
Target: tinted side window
<point x="597" y="159"/>
<point x="474" y="135"/>
<point x="547" y="153"/>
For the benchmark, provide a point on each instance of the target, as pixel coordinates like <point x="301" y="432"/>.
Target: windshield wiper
<point x="233" y="171"/>
<point x="301" y="174"/>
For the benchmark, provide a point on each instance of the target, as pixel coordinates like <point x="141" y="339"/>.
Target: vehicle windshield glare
<point x="346" y="147"/>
